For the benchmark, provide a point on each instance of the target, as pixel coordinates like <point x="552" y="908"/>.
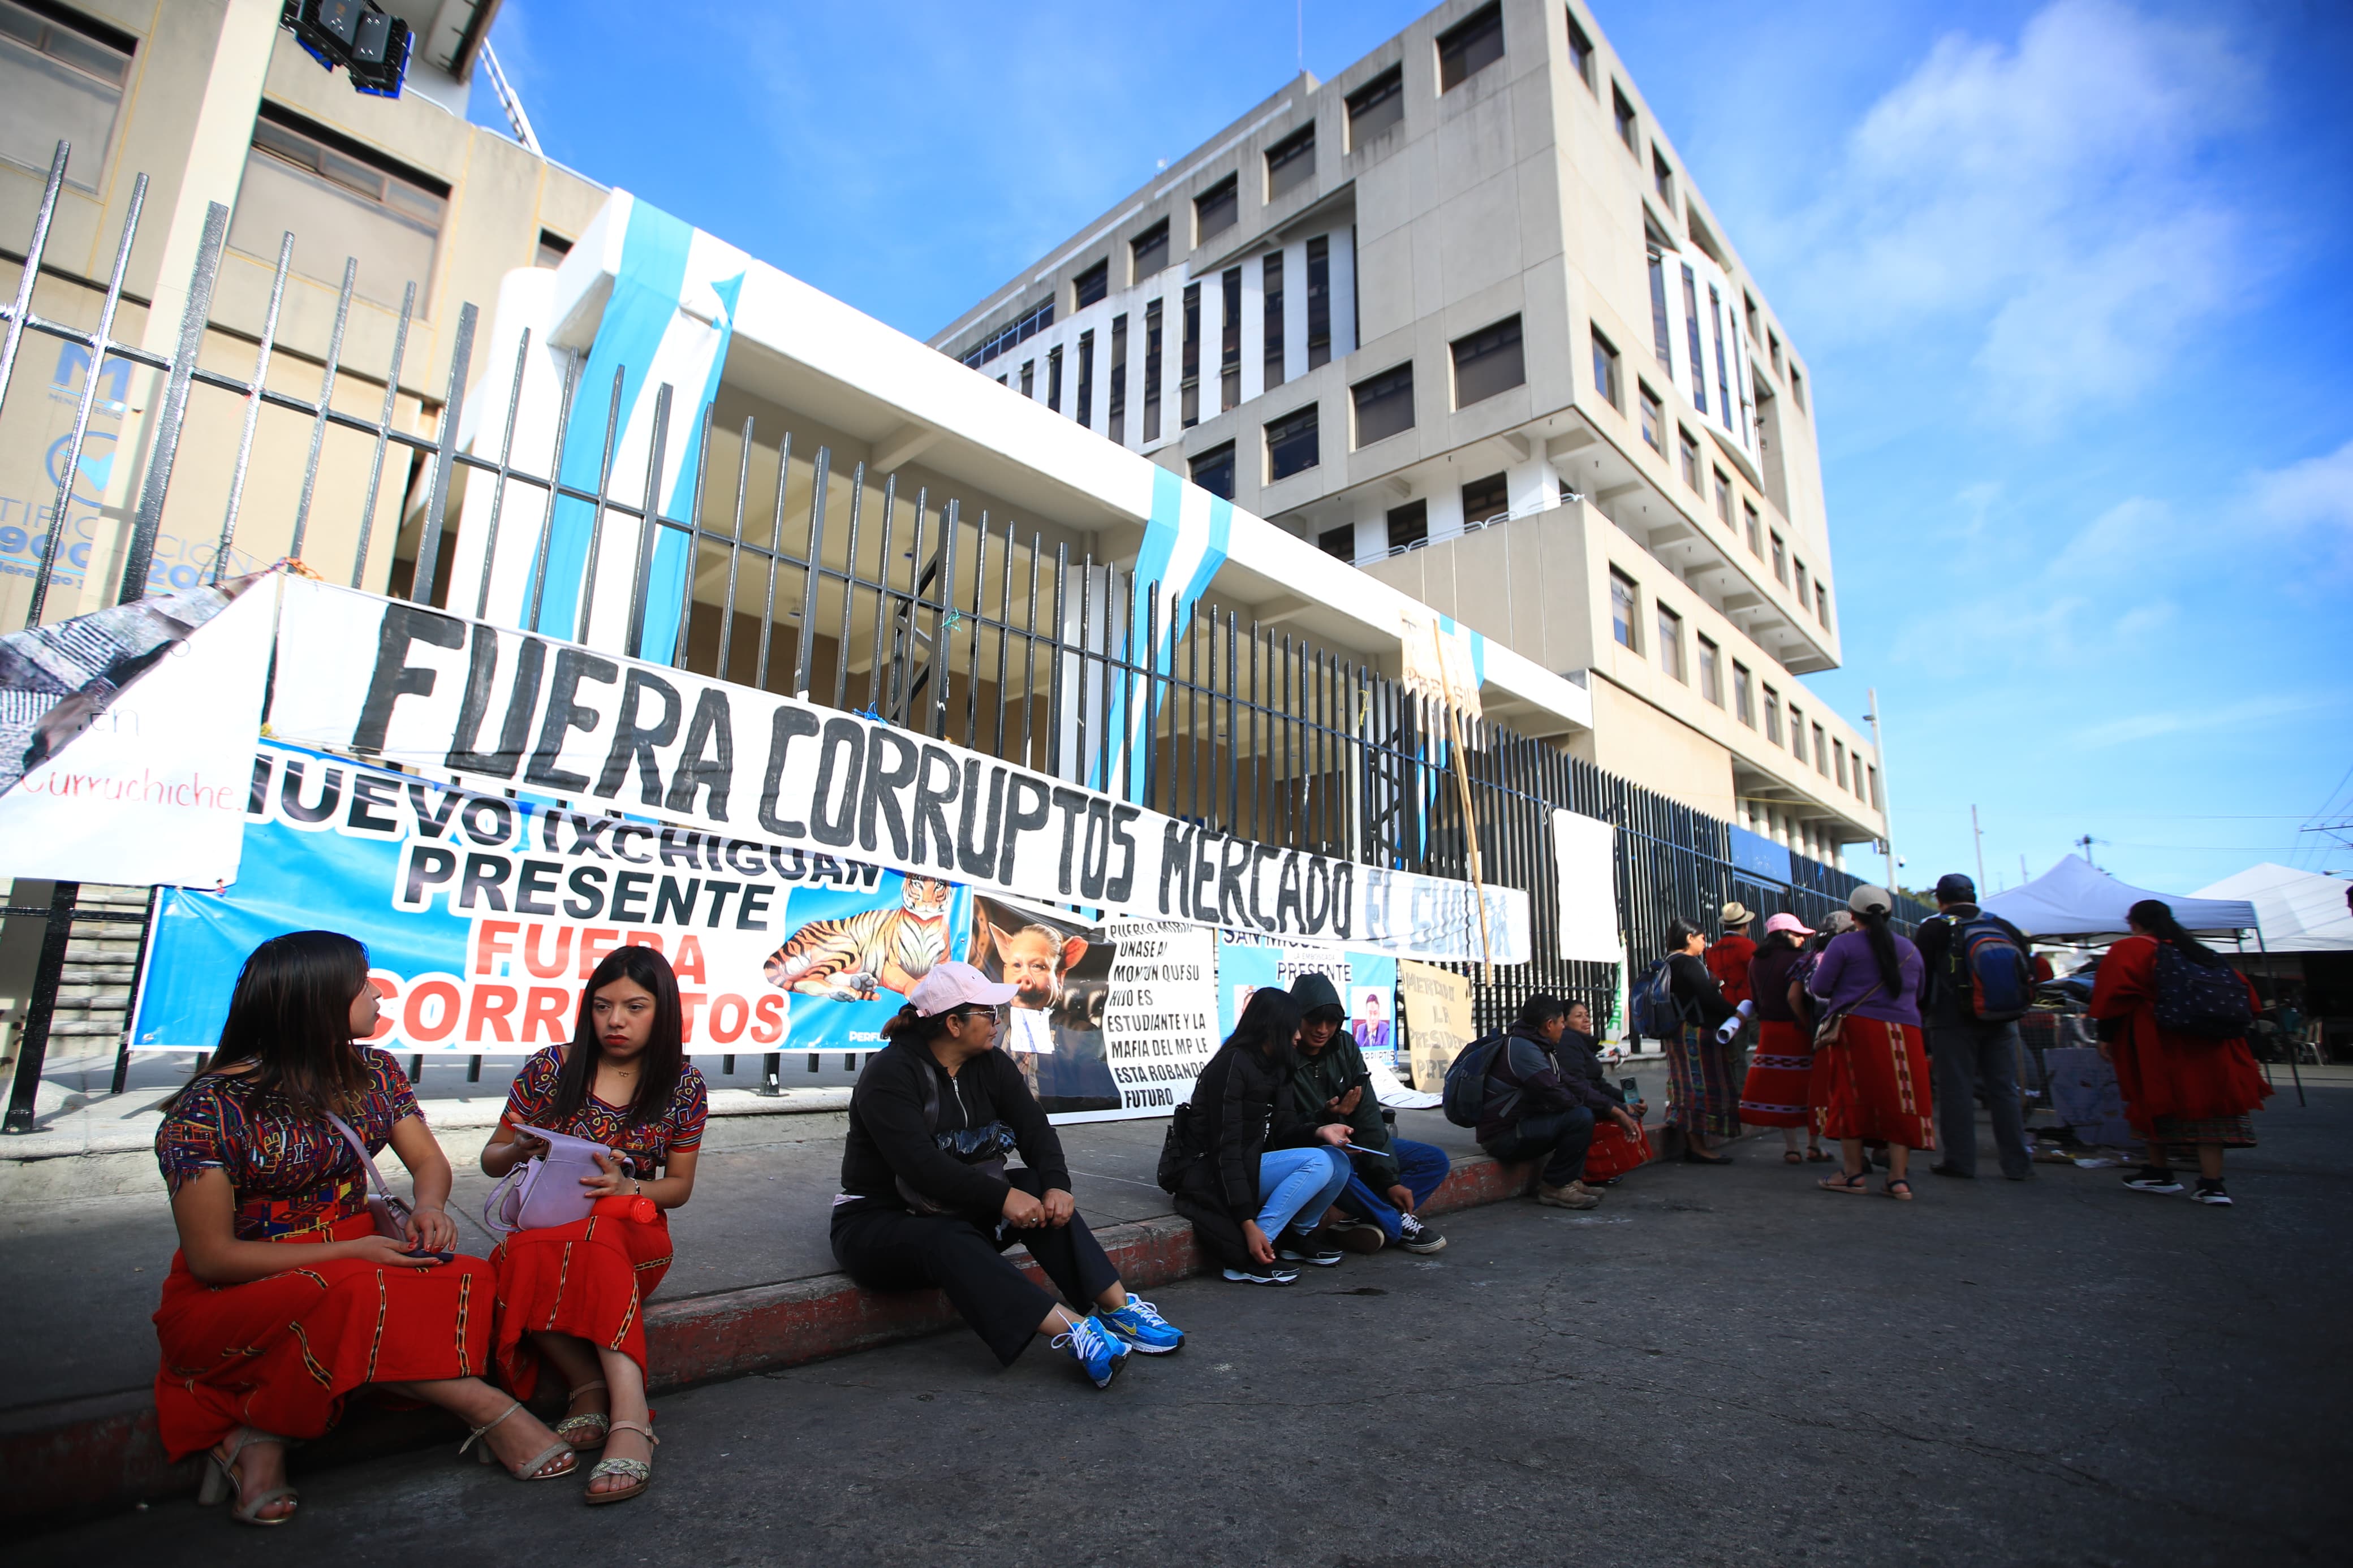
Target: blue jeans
<point x="1421" y="1166"/>
<point x="1558" y="1138"/>
<point x="1296" y="1181"/>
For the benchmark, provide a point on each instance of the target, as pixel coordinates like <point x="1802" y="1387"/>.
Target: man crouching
<point x="1391" y="1177"/>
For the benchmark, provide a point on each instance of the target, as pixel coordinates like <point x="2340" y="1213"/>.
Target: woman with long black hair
<point x="1871" y="1070"/>
<point x="1704" y="1095"/>
<point x="284" y="1296"/>
<point x="2181" y="1091"/>
<point x="574" y="1295"/>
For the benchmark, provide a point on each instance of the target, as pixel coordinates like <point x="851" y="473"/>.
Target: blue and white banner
<point x="1367" y="982"/>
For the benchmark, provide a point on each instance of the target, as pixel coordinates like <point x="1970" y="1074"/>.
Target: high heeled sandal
<point x="529" y="1469"/>
<point x="641" y="1472"/>
<point x="598" y="1423"/>
<point x="220" y="1483"/>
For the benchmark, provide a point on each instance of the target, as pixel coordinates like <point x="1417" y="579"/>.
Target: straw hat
<point x="1735" y="913"/>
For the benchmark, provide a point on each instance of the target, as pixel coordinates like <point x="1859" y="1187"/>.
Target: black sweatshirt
<point x="1243" y="1108"/>
<point x="887" y="1138"/>
<point x="1696" y="991"/>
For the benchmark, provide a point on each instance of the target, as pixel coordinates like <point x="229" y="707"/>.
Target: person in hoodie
<point x="1390" y="1177"/>
<point x="1534" y="1111"/>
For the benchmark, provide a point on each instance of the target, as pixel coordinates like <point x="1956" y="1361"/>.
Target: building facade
<point x="1460" y="318"/>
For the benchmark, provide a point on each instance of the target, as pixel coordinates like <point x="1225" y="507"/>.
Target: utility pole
<point x="2084" y="843"/>
<point x="1979" y="834"/>
<point x="1886" y="793"/>
<point x="2022" y="877"/>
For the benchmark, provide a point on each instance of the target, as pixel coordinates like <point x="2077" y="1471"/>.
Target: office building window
<point x="1744" y="695"/>
<point x="1780" y="562"/>
<point x="1090" y="285"/>
<point x="1822" y="606"/>
<point x="1623" y="114"/>
<point x="1621" y="610"/>
<point x="1023" y="328"/>
<point x="1270" y="291"/>
<point x="1470" y="46"/>
<point x="1772" y="715"/>
<point x="1690" y="324"/>
<point x="305" y="178"/>
<point x="1029" y="378"/>
<point x="1188" y="362"/>
<point x="1486" y="501"/>
<point x="1086" y="406"/>
<point x="1872" y="773"/>
<point x="1153" y="364"/>
<point x="553" y="249"/>
<point x="1670" y="643"/>
<point x="1805" y="589"/>
<point x="1724" y="500"/>
<point x="1711" y="671"/>
<point x="1408" y="525"/>
<point x="1291" y="163"/>
<point x="1375" y="106"/>
<point x="1653" y="417"/>
<point x="1580" y="53"/>
<point x="1339" y="542"/>
<point x="1748" y="304"/>
<point x="61" y="79"/>
<point x="1216" y="209"/>
<point x="1821" y="757"/>
<point x="1604" y="371"/>
<point x="1797" y="731"/>
<point x="1115" y="426"/>
<point x="1796" y="386"/>
<point x="1837" y="763"/>
<point x="1213" y="470"/>
<point x="1661" y="344"/>
<point x="1687" y="454"/>
<point x="1384" y="405"/>
<point x="1148" y="253"/>
<point x="1292" y="445"/>
<point x="1053" y="379"/>
<point x="1663" y="179"/>
<point x="1488" y="362"/>
<point x="1230" y="338"/>
<point x="1723" y="376"/>
<point x="1773" y="348"/>
<point x="1753" y="528"/>
<point x="1319" y="301"/>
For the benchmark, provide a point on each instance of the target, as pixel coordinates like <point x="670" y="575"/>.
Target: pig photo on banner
<point x="1053" y="1027"/>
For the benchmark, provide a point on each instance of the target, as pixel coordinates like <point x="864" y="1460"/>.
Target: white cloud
<point x="2311" y="500"/>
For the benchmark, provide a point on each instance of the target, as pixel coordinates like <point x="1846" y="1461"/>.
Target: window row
<point x="1485" y="501"/>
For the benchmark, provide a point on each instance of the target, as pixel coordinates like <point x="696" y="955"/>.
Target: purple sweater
<point x="1845" y="979"/>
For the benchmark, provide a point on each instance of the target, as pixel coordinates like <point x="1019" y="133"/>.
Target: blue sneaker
<point x="1098" y="1353"/>
<point x="1141" y="1327"/>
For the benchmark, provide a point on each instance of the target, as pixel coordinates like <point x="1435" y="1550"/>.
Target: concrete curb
<point x="80" y="1457"/>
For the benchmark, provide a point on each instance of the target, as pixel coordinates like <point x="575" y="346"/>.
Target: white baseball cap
<point x="952" y="984"/>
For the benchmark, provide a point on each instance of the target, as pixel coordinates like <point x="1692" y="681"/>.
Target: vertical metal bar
<point x="972" y="650"/>
<point x="848" y="577"/>
<point x="444" y="461"/>
<point x="597" y="520"/>
<point x="1256" y="713"/>
<point x="943" y="630"/>
<point x="775" y="549"/>
<point x="1054" y="670"/>
<point x="1004" y="629"/>
<point x="902" y="677"/>
<point x="506" y="462"/>
<point x="679" y="645"/>
<point x="383" y="426"/>
<point x="173" y="415"/>
<point x="253" y="405"/>
<point x="735" y="549"/>
<point x="809" y="574"/>
<point x="327" y="401"/>
<point x="1233" y="730"/>
<point x="1193" y="720"/>
<point x="1030" y="650"/>
<point x="1086" y="651"/>
<point x="541" y="546"/>
<point x="1152" y="698"/>
<point x="33" y="1049"/>
<point x="648" y="524"/>
<point x="1128" y="695"/>
<point x="100" y="342"/>
<point x="23" y="305"/>
<point x="883" y="589"/>
<point x="131" y="1007"/>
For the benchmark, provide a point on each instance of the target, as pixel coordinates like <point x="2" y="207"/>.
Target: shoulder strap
<point x="374" y="1176"/>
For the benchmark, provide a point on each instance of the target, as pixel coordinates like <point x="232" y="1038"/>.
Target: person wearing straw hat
<point x="1728" y="956"/>
<point x="1871" y="1065"/>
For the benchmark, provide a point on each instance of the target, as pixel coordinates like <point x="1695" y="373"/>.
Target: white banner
<point x="1585" y="854"/>
<point x="361" y="675"/>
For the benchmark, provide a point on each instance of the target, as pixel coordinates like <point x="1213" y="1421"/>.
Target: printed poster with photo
<point x="1366" y="980"/>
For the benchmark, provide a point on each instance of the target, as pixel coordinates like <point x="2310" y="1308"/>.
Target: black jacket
<point x="1942" y="1001"/>
<point x="1580" y="1061"/>
<point x="1697" y="994"/>
<point x="887" y="1138"/>
<point x="1242" y="1106"/>
<point x="1330" y="1075"/>
<point x="1530" y="1078"/>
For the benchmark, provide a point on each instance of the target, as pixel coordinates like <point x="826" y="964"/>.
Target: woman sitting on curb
<point x="284" y="1296"/>
<point x="574" y="1294"/>
<point x="927" y="1198"/>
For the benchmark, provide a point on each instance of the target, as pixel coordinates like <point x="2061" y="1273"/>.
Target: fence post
<point x="33" y="1052"/>
<point x="173" y="414"/>
<point x="131" y="1007"/>
<point x="445" y="458"/>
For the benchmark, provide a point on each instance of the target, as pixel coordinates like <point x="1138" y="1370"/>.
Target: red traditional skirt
<point x="2190" y="1091"/>
<point x="1872" y="1084"/>
<point x="1777" y="1090"/>
<point x="589" y="1280"/>
<point x="1614" y="1151"/>
<point x="280" y="1353"/>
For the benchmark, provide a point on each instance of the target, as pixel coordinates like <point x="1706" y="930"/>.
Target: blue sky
<point x="2062" y="272"/>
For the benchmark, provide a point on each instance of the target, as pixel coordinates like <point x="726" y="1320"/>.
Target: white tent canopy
<point x="2299" y="911"/>
<point x="2076" y="902"/>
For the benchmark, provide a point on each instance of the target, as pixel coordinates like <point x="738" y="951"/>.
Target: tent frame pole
<point x="2294" y="1069"/>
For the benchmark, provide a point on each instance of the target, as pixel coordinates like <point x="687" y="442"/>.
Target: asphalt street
<point x="1716" y="1367"/>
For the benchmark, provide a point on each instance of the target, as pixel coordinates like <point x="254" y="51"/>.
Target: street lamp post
<point x="1887" y="792"/>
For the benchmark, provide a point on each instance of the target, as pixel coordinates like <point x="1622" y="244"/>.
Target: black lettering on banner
<point x="499" y="814"/>
<point x="931" y="809"/>
<point x="979" y="858"/>
<point x="430" y="823"/>
<point x="631" y="830"/>
<point x="1287" y="913"/>
<point x="755" y="903"/>
<point x="844" y="739"/>
<point x="1316" y="900"/>
<point x="1205" y="871"/>
<point x="709" y="729"/>
<point x="481" y="678"/>
<point x="1260" y="854"/>
<point x="737" y="848"/>
<point x="720" y="892"/>
<point x="1233" y="903"/>
<point x="427" y="867"/>
<point x="1344" y="886"/>
<point x="1095" y="858"/>
<point x="535" y="887"/>
<point x="670" y="899"/>
<point x="564" y="714"/>
<point x="289" y="793"/>
<point x="1121" y="884"/>
<point x="522" y="701"/>
<point x="373" y="790"/>
<point x="633" y="737"/>
<point x="788" y="722"/>
<point x="256" y="796"/>
<point x="1020" y="820"/>
<point x="1070" y="802"/>
<point x="393" y="677"/>
<point x="676" y="851"/>
<point x="791" y="864"/>
<point x="588" y="832"/>
<point x="629" y="891"/>
<point x="484" y="876"/>
<point x="1177" y="867"/>
<point x="587" y="899"/>
<point x="883" y="783"/>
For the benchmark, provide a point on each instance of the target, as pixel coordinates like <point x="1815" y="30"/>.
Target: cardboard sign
<point x="1437" y="1016"/>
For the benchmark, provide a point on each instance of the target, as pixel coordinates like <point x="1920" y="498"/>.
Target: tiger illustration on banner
<point x="855" y="958"/>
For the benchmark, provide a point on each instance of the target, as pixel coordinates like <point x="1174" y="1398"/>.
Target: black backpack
<point x="1653" y="1011"/>
<point x="1176" y="1151"/>
<point x="1466" y="1079"/>
<point x="2208" y="1000"/>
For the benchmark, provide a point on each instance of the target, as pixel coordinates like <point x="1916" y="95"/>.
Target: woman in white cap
<point x="927" y="1198"/>
<point x="1775" y="1092"/>
<point x="1871" y="1067"/>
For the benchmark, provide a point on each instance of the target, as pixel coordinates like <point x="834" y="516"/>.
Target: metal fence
<point x="967" y="627"/>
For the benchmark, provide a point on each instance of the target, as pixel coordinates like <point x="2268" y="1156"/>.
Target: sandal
<point x="638" y="1471"/>
<point x="1895" y="1182"/>
<point x="1791" y="1157"/>
<point x="1842" y="1182"/>
<point x="1814" y="1156"/>
<point x="595" y="1422"/>
<point x="531" y="1469"/>
<point x="220" y="1483"/>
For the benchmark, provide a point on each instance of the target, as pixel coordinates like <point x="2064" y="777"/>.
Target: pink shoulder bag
<point x="545" y="1192"/>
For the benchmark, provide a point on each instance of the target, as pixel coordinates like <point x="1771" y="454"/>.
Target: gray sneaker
<point x="1571" y="1196"/>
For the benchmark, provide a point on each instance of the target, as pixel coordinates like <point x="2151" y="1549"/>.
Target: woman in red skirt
<point x="1871" y="1080"/>
<point x="1777" y="1092"/>
<point x="574" y="1295"/>
<point x="283" y="1299"/>
<point x="2181" y="1091"/>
